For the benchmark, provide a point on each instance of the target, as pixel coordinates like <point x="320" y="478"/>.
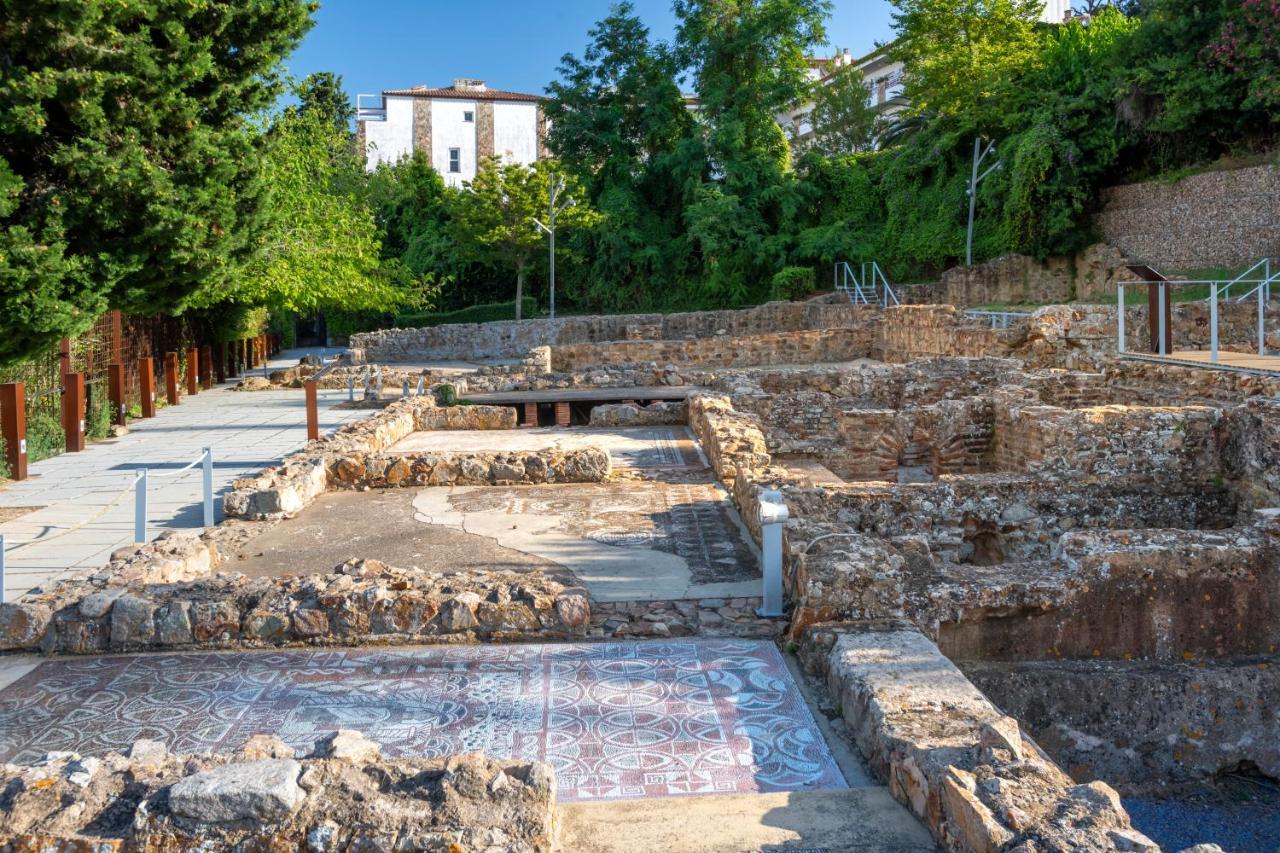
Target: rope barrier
<point x="90" y="520"/>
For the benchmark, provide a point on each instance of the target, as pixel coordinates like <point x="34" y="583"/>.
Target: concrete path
<point x="87" y="507"/>
<point x="858" y="820"/>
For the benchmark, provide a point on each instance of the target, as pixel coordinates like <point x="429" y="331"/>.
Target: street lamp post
<point x="553" y="210"/>
<point x="979" y="154"/>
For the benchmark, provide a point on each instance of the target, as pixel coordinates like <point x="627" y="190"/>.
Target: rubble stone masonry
<point x="1221" y="218"/>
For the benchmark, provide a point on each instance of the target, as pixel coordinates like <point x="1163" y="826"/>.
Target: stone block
<point x="265" y="791"/>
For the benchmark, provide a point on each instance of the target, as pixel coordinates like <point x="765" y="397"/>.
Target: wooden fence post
<point x="171" y="377"/>
<point x="206" y="367"/>
<point x="13" y="425"/>
<point x="313" y="411"/>
<point x="115" y="391"/>
<point x="147" y="386"/>
<point x="193" y="367"/>
<point x="73" y="410"/>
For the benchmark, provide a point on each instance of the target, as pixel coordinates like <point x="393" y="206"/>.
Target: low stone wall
<point x="379" y="471"/>
<point x="1222" y="218"/>
<point x="706" y="617"/>
<point x="963" y="768"/>
<point x="1182" y="444"/>
<point x="515" y="339"/>
<point x="353" y="456"/>
<point x="800" y="347"/>
<point x="733" y="441"/>
<point x="1022" y="280"/>
<point x="362" y="601"/>
<point x="1162" y="724"/>
<point x="343" y="796"/>
<point x="911" y="332"/>
<point x="1074" y="337"/>
<point x="658" y="413"/>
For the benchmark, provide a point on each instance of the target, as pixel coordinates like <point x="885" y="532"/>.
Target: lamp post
<point x="553" y="210"/>
<point x="979" y="154"/>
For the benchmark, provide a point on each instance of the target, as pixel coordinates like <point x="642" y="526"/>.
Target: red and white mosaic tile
<point x="616" y="720"/>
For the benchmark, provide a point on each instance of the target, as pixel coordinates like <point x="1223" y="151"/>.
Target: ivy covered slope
<point x="129" y="167"/>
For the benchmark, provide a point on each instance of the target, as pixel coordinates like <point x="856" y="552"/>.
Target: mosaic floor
<point x="616" y="720"/>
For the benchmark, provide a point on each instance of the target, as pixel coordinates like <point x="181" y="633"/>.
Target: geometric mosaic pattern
<point x="615" y="720"/>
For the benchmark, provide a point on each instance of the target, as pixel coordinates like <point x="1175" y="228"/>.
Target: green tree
<point x="747" y="58"/>
<point x="495" y="215"/>
<point x="960" y="56"/>
<point x="843" y="117"/>
<point x="620" y="124"/>
<point x="320" y="247"/>
<point x="128" y="157"/>
<point x="322" y="93"/>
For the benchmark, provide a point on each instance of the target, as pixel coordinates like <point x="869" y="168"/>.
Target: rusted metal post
<point x="13" y="426"/>
<point x="193" y="367"/>
<point x="171" y="377"/>
<point x="73" y="410"/>
<point x="206" y="367"/>
<point x="147" y="386"/>
<point x="115" y="390"/>
<point x="313" y="411"/>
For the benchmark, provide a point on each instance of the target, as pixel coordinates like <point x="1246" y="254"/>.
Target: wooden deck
<point x="584" y="395"/>
<point x="1239" y="361"/>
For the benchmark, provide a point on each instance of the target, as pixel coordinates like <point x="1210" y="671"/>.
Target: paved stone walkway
<point x="615" y="720"/>
<point x="247" y="431"/>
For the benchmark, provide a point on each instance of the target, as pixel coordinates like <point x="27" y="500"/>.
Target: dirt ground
<point x="377" y="525"/>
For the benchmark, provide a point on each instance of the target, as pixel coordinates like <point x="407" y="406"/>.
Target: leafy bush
<point x="97" y="422"/>
<point x="4" y="462"/>
<point x="45" y="437"/>
<point x="486" y="313"/>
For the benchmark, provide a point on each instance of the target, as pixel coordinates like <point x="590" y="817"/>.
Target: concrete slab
<point x="615" y="720"/>
<point x="859" y="820"/>
<point x="633" y="541"/>
<point x="630" y="447"/>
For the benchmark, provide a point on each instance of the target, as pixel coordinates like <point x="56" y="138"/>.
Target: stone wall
<point x="1022" y="280"/>
<point x="966" y="770"/>
<point x="354" y="456"/>
<point x="1162" y="724"/>
<point x="362" y="601"/>
<point x="1215" y="219"/>
<point x="800" y="347"/>
<point x="1181" y="444"/>
<point x="1075" y="337"/>
<point x="380" y="471"/>
<point x="514" y="339"/>
<point x="344" y="795"/>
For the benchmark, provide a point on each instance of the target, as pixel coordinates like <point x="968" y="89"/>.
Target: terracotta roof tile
<point x="465" y="94"/>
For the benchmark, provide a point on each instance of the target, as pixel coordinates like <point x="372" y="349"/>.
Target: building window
<point x="468" y="116"/>
<point x="455" y="159"/>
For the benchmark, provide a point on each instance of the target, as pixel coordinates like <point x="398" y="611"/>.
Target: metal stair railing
<point x="869" y="285"/>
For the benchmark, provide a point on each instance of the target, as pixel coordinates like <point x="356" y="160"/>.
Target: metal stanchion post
<point x="207" y="467"/>
<point x="140" y="508"/>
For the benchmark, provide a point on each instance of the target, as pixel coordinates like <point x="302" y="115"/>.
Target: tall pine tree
<point x="128" y="158"/>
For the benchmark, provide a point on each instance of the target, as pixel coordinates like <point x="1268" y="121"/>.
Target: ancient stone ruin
<point x="1032" y="585"/>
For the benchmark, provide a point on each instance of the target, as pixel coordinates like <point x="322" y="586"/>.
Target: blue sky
<point x="512" y="44"/>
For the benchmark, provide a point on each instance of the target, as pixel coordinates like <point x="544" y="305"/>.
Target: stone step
<point x="843" y="821"/>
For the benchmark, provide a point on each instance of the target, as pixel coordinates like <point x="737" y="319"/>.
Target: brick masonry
<point x="1213" y="219"/>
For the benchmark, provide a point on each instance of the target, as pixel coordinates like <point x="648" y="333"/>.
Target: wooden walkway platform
<point x="1267" y="365"/>
<point x="585" y="395"/>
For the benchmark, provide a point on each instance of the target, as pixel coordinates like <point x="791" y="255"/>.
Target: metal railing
<point x="1260" y="274"/>
<point x="999" y="319"/>
<point x="138" y="486"/>
<point x="867" y="286"/>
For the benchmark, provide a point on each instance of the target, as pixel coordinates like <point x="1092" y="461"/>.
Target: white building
<point x="882" y="75"/>
<point x="459" y="125"/>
